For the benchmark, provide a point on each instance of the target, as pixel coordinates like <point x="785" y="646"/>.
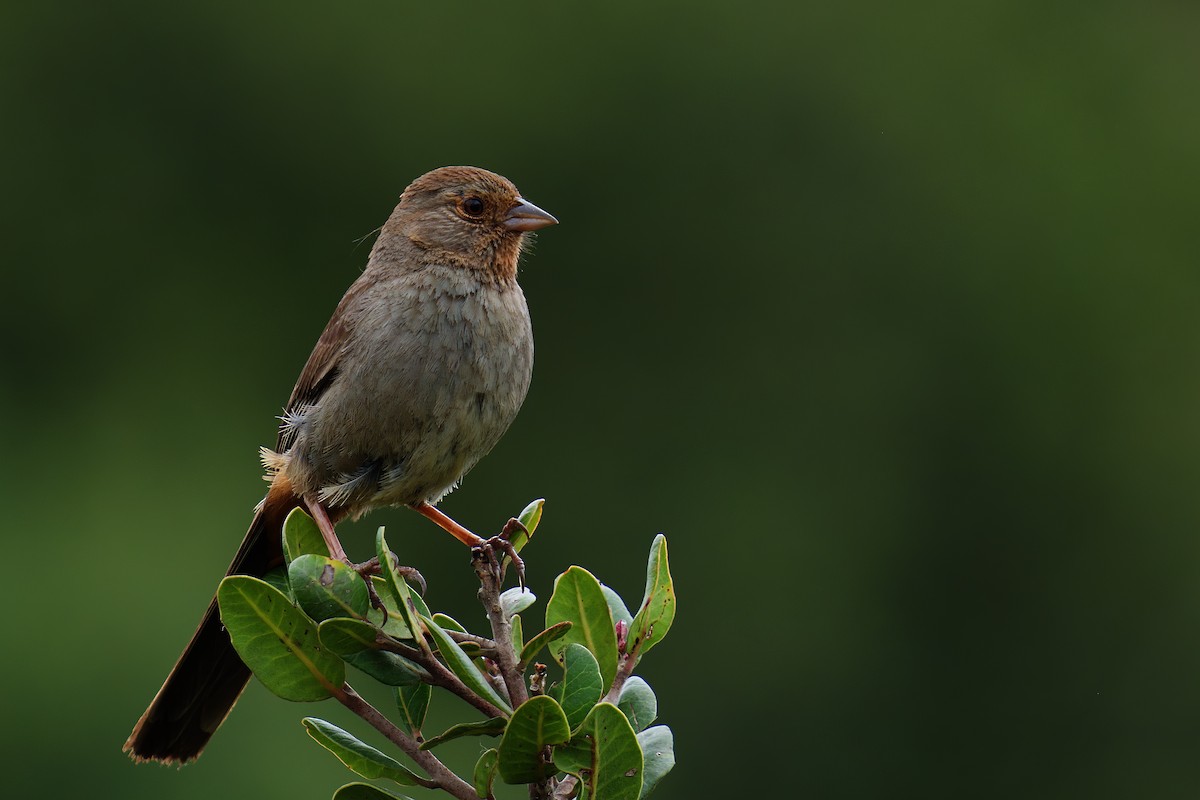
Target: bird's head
<point x="467" y="217"/>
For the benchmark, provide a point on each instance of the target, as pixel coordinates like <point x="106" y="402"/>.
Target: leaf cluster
<point x="584" y="732"/>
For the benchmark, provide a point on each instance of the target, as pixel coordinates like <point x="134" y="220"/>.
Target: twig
<point x="440" y="675"/>
<point x="624" y="670"/>
<point x="486" y="568"/>
<point x="392" y="646"/>
<point x="491" y="577"/>
<point x="437" y="674"/>
<point x="440" y="776"/>
<point x="486" y="645"/>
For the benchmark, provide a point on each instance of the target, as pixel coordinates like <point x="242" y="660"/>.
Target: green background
<point x="887" y="314"/>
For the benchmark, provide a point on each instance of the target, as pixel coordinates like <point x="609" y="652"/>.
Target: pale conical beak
<point x="525" y="216"/>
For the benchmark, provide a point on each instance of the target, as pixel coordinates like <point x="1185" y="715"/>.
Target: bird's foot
<point x="494" y="550"/>
<point x="501" y="546"/>
<point x="410" y="574"/>
<point x="372" y="567"/>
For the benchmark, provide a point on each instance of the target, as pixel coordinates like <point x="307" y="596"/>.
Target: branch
<point x="441" y="776"/>
<point x="386" y="642"/>
<point x="624" y="670"/>
<point x="437" y="674"/>
<point x="487" y="567"/>
<point x="441" y="676"/>
<point x="486" y="645"/>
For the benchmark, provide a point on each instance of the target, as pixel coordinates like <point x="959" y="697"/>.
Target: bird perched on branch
<point x="419" y="372"/>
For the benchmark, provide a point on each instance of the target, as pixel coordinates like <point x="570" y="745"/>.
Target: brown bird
<point x="419" y="372"/>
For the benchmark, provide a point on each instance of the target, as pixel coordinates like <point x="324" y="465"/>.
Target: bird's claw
<point x="376" y="601"/>
<point x="371" y="567"/>
<point x="501" y="545"/>
<point x="513" y="526"/>
<point x="411" y="575"/>
<point x="365" y="570"/>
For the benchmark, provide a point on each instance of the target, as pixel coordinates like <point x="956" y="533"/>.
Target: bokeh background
<point x="887" y="314"/>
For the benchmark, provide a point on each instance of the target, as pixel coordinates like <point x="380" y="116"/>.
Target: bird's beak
<point x="525" y="216"/>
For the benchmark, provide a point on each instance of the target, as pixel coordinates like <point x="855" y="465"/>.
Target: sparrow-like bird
<point x="419" y="372"/>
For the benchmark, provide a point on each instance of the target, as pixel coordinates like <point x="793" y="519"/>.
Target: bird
<point x="419" y="372"/>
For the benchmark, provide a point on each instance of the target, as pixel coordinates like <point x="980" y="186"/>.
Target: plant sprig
<point x="586" y="733"/>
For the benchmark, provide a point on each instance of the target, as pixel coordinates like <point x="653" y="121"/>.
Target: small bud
<point x="622" y="635"/>
<point x="537" y="681"/>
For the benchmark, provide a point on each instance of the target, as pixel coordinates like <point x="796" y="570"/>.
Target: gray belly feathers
<point x="446" y="399"/>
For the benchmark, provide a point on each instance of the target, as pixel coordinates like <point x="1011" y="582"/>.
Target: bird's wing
<point x="323" y="363"/>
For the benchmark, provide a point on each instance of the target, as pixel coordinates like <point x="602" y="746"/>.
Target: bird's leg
<point x="448" y="525"/>
<point x="325" y="525"/>
<point x="365" y="570"/>
<point x="500" y="543"/>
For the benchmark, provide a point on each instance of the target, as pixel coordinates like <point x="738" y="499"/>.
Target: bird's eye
<point x="473" y="207"/>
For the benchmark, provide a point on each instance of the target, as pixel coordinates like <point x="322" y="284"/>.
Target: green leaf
<point x="616" y="605"/>
<point x="448" y="622"/>
<point x="278" y="578"/>
<point x="638" y="703"/>
<point x="356" y="643"/>
<point x="531" y="515"/>
<point x="365" y="791"/>
<point x="530" y="518"/>
<point x="518" y="636"/>
<point x="460" y="664"/>
<point x="485" y="772"/>
<point x="581" y="688"/>
<point x="277" y="641"/>
<point x="473" y="651"/>
<point x="537" y="722"/>
<point x="516" y="600"/>
<point x="604" y="754"/>
<point x="326" y="588"/>
<point x="394" y="626"/>
<point x="535" y="645"/>
<point x="301" y="535"/>
<point x="389" y="669"/>
<point x="658" y="753"/>
<point x="578" y="599"/>
<point x="359" y="757"/>
<point x="396" y="585"/>
<point x="413" y="702"/>
<point x="419" y="604"/>
<point x="488" y="727"/>
<point x="657" y="612"/>
<point x="348" y="637"/>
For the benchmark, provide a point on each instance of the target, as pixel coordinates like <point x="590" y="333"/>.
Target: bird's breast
<point x="426" y="388"/>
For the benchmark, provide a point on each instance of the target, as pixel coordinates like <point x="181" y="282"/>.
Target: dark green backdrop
<point x="887" y="314"/>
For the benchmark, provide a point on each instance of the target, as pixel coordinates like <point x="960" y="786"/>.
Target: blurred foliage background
<point x="887" y="314"/>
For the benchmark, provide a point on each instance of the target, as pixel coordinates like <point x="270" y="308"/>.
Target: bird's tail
<point x="209" y="676"/>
